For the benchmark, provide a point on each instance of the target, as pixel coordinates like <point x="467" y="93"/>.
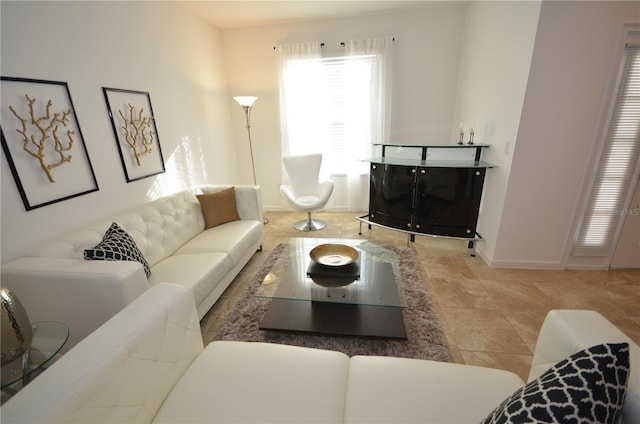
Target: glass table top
<point x="377" y="280"/>
<point x="48" y="339"/>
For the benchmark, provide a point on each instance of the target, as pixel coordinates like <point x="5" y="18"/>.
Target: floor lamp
<point x="247" y="102"/>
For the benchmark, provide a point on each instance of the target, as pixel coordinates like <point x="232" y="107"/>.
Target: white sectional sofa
<point x="55" y="283"/>
<point x="148" y="364"/>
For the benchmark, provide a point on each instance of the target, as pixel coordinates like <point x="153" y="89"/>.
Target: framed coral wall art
<point x="42" y="142"/>
<point x="134" y="127"/>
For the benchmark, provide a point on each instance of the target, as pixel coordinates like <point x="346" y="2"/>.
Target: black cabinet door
<point x="391" y="193"/>
<point x="448" y="201"/>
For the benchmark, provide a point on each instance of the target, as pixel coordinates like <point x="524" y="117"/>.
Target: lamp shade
<point x="245" y="100"/>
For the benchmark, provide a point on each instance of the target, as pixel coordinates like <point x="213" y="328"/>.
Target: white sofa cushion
<point x="235" y="238"/>
<point x="400" y="390"/>
<point x="201" y="271"/>
<point x="257" y="383"/>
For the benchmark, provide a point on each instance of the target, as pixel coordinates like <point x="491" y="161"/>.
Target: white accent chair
<point x="306" y="193"/>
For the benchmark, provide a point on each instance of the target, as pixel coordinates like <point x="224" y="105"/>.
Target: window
<point x="618" y="165"/>
<point x="338" y="111"/>
<point x="336" y="106"/>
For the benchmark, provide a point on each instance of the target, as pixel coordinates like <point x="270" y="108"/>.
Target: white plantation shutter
<point x="347" y="114"/>
<point x="617" y="169"/>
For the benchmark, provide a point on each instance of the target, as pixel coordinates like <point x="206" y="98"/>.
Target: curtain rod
<point x="342" y="43"/>
<point x="321" y="45"/>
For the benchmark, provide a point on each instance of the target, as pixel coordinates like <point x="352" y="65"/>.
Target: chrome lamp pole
<point x="247" y="102"/>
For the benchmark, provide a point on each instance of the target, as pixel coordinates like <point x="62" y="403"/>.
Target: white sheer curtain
<point x="298" y="66"/>
<point x="370" y="57"/>
<point x="337" y="106"/>
<point x="379" y="89"/>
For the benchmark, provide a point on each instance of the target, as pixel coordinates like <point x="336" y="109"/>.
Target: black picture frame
<point x="134" y="127"/>
<point x="43" y="143"/>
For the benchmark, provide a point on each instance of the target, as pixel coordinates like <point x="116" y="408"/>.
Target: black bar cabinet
<point x="427" y="190"/>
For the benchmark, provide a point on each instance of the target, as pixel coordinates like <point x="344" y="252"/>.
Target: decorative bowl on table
<point x="333" y="265"/>
<point x="333" y="255"/>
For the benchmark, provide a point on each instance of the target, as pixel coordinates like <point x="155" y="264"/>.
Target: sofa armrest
<point x="81" y="294"/>
<point x="123" y="371"/>
<point x="565" y="332"/>
<point x="249" y="202"/>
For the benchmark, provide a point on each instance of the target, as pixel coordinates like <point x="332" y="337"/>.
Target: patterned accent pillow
<point x="219" y="207"/>
<point x="117" y="245"/>
<point x="587" y="387"/>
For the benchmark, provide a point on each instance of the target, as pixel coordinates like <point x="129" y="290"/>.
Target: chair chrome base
<point x="310" y="224"/>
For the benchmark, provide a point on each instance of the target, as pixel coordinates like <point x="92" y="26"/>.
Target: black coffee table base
<point x="334" y="319"/>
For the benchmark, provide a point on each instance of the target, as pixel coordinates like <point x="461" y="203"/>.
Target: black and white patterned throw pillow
<point x="117" y="245"/>
<point x="587" y="387"/>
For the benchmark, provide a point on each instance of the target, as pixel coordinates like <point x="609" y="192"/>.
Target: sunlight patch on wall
<point x="185" y="168"/>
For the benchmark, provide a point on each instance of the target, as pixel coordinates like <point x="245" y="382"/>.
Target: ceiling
<point x="240" y="13"/>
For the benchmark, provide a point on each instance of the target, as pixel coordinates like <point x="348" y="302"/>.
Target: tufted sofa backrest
<point x="159" y="228"/>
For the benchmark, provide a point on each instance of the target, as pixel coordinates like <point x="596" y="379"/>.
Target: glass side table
<point x="48" y="339"/>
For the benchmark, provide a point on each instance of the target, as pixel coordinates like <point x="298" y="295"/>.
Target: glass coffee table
<point x="367" y="301"/>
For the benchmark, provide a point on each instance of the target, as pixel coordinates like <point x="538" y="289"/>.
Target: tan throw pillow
<point x="219" y="207"/>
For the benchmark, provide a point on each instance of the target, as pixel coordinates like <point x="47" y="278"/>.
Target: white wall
<point x="426" y="53"/>
<point x="147" y="46"/>
<point x="627" y="253"/>
<point x="496" y="56"/>
<point x="192" y="70"/>
<point x="560" y="127"/>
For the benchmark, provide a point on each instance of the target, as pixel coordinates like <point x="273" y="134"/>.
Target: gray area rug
<point x="426" y="339"/>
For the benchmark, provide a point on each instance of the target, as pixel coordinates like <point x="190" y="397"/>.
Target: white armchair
<point x="306" y="193"/>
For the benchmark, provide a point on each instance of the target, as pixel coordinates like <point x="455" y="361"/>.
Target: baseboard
<point x="587" y="267"/>
<point x="332" y="209"/>
<point x="554" y="266"/>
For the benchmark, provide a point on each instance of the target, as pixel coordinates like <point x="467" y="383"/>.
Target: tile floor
<point x="491" y="316"/>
